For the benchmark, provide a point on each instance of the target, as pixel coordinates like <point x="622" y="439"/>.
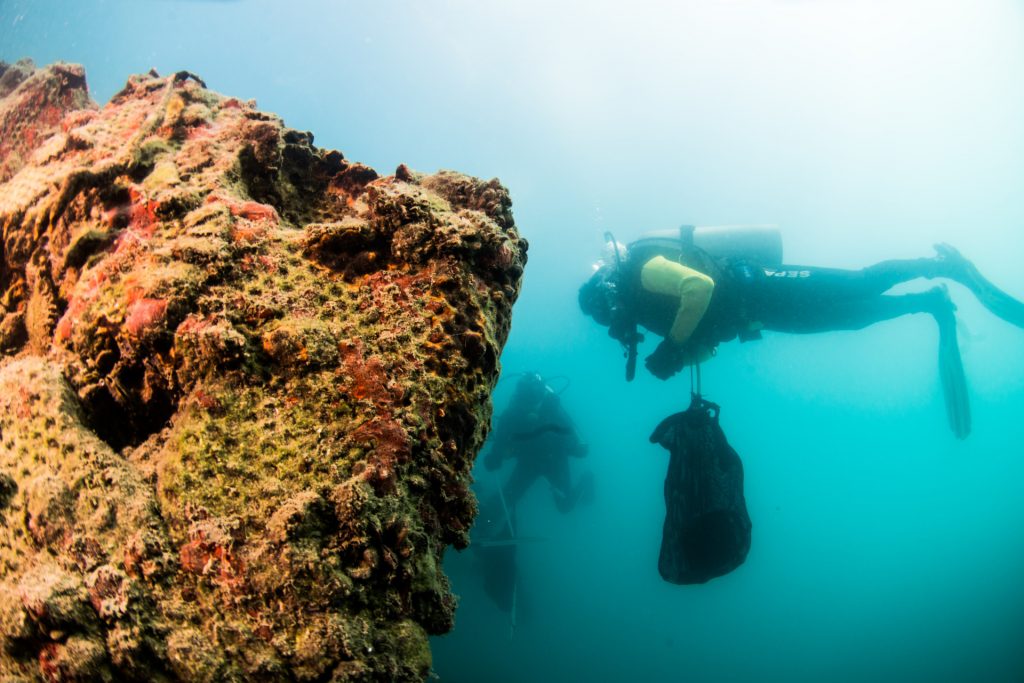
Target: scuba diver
<point x="539" y="435"/>
<point x="536" y="432"/>
<point x="704" y="286"/>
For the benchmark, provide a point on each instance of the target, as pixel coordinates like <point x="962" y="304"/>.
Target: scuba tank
<point x="760" y="244"/>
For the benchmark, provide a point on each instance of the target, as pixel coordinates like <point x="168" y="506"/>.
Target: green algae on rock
<point x="242" y="384"/>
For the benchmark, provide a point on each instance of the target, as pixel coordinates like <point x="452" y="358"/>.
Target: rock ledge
<point x="242" y="384"/>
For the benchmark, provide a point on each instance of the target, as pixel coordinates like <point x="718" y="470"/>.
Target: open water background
<point x="884" y="549"/>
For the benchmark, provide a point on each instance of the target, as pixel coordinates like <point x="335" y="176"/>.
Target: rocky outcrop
<point x="242" y="384"/>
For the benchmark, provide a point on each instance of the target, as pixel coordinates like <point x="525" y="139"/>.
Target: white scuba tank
<point x="761" y="244"/>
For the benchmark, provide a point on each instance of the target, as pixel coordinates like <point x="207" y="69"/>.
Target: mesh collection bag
<point x="707" y="529"/>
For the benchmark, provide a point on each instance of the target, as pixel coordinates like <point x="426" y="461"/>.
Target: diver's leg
<point x="949" y="263"/>
<point x="568" y="496"/>
<point x="886" y="274"/>
<point x="557" y="474"/>
<point x="876" y="279"/>
<point x="802" y="310"/>
<point x="810" y="299"/>
<point x="873" y="280"/>
<point x="519" y="481"/>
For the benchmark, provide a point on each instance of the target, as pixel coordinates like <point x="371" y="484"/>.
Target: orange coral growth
<point x="204" y="557"/>
<point x="367" y="379"/>
<point x="390" y="447"/>
<point x="143" y="210"/>
<point x="144" y="315"/>
<point x="254" y="211"/>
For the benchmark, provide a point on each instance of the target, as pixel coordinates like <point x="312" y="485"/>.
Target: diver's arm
<point x="693" y="288"/>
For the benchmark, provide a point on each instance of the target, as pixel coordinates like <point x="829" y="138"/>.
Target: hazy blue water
<point x="884" y="550"/>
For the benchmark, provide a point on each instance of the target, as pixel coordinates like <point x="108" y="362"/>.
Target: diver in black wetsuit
<point x="695" y="301"/>
<point x="536" y="432"/>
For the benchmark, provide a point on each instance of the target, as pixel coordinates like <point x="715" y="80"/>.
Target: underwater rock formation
<point x="242" y="384"/>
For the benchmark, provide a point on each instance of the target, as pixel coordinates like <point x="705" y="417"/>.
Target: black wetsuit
<point x="540" y="437"/>
<point x="795" y="299"/>
<point x="803" y="299"/>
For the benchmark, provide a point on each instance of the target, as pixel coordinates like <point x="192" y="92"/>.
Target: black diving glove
<point x="668" y="359"/>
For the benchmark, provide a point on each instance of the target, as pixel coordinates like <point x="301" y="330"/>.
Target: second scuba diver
<point x="536" y="432"/>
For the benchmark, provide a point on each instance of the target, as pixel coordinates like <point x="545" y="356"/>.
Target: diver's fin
<point x="951" y="372"/>
<point x="991" y="297"/>
<point x="583" y="492"/>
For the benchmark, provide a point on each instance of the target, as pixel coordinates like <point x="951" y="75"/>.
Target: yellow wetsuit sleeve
<point x="661" y="276"/>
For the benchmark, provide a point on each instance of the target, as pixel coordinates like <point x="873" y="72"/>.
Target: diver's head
<point x="596" y="296"/>
<point x="531" y="386"/>
<point x="603" y="298"/>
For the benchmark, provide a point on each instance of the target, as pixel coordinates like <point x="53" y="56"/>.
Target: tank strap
<point x="686" y="236"/>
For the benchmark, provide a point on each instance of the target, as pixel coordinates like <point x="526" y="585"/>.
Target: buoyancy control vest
<point x="726" y="317"/>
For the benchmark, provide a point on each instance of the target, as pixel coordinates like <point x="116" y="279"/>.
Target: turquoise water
<point x="884" y="549"/>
